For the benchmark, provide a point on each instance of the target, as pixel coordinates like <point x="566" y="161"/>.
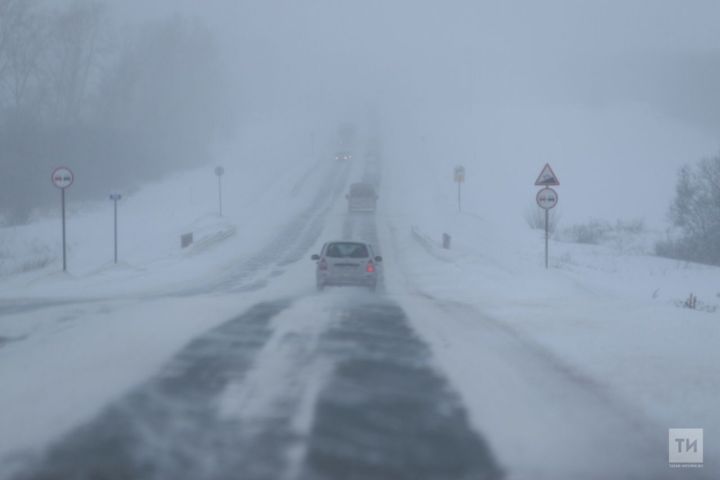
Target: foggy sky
<point x="617" y="95"/>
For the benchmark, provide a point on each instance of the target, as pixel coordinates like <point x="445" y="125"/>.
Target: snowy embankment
<point x="612" y="319"/>
<point x="259" y="199"/>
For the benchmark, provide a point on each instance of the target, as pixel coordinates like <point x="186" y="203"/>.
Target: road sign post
<point x="547" y="238"/>
<point x="115" y="197"/>
<point x="547" y="199"/>
<point x="219" y="171"/>
<point x="62" y="178"/>
<point x="459" y="179"/>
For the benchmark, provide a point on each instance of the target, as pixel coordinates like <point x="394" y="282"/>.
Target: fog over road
<point x="363" y="400"/>
<point x="341" y="385"/>
<point x="181" y="332"/>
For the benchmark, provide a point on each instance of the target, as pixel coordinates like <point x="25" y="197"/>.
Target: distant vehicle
<point x="362" y="198"/>
<point x="343" y="156"/>
<point x="347" y="263"/>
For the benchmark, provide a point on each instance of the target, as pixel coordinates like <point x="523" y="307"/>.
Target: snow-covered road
<point x="277" y="381"/>
<point x="316" y="386"/>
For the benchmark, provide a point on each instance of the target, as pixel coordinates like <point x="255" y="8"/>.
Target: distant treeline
<point x="118" y="107"/>
<point x="695" y="212"/>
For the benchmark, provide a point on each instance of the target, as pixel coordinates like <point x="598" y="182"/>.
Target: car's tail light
<point x="370" y="267"/>
<point x="322" y="264"/>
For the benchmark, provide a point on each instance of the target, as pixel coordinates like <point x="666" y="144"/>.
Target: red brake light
<point x="370" y="267"/>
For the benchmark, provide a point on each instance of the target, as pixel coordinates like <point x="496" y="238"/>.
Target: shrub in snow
<point x="691" y="302"/>
<point x="634" y="227"/>
<point x="18" y="256"/>
<point x="592" y="232"/>
<point x="535" y="218"/>
<point x="595" y="232"/>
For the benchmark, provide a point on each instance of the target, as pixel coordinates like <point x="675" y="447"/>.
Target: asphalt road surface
<point x="357" y="398"/>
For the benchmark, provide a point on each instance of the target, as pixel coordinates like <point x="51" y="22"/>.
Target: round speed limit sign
<point x="547" y="198"/>
<point x="62" y="177"/>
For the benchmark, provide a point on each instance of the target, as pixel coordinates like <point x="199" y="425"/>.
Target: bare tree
<point x="168" y="83"/>
<point x="696" y="212"/>
<point x="74" y="58"/>
<point x="696" y="208"/>
<point x="22" y="42"/>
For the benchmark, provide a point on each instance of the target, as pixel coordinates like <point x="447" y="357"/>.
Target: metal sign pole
<point x="62" y="178"/>
<point x="459" y="178"/>
<point x="219" y="171"/>
<point x="115" y="197"/>
<point x="547" y="199"/>
<point x="116" y="230"/>
<point x="62" y="201"/>
<point x="220" y="193"/>
<point x="459" y="197"/>
<point x="547" y="235"/>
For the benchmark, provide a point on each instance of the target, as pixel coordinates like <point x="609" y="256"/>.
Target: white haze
<point x="615" y="95"/>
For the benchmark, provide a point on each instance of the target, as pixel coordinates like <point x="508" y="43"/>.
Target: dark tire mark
<point x="6" y="340"/>
<point x="386" y="413"/>
<point x="169" y="428"/>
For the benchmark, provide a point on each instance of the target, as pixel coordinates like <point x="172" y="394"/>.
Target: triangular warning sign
<point x="547" y="177"/>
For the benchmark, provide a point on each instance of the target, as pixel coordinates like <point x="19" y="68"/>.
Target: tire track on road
<point x="387" y="413"/>
<point x="169" y="428"/>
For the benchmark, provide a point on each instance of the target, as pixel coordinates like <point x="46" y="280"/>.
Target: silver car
<point x="347" y="263"/>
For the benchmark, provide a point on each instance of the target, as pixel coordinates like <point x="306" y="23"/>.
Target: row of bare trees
<point x="119" y="106"/>
<point x="48" y="60"/>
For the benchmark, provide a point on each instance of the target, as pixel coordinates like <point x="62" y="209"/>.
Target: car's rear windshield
<point x="347" y="250"/>
<point x="362" y="190"/>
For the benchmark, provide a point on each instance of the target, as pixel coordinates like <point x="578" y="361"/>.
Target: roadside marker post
<point x="62" y="178"/>
<point x="219" y="172"/>
<point x="115" y="197"/>
<point x="547" y="199"/>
